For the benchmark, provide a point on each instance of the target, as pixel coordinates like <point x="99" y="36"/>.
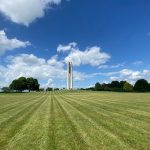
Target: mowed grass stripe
<point x="11" y="126"/>
<point x="52" y="125"/>
<point x="33" y="135"/>
<point x="80" y="142"/>
<point x="14" y="105"/>
<point x="73" y="120"/>
<point x="115" y="100"/>
<point x="106" y="109"/>
<point x="135" y="101"/>
<point x="116" y="127"/>
<point x="9" y="99"/>
<point x="60" y="130"/>
<point x="100" y="133"/>
<point x="10" y="114"/>
<point x="134" y="124"/>
<point x="119" y="109"/>
<point x="15" y="99"/>
<point x="127" y="120"/>
<point x="124" y="104"/>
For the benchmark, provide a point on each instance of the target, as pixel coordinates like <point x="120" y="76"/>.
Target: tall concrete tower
<point x="70" y="76"/>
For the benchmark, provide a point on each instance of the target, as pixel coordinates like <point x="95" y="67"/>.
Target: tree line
<point x="31" y="84"/>
<point x="141" y="85"/>
<point x="22" y="84"/>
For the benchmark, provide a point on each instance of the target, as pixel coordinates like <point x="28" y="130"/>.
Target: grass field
<point x="75" y="121"/>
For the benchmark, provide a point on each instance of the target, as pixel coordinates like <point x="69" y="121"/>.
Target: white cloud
<point x="112" y="66"/>
<point x="65" y="48"/>
<point x="52" y="72"/>
<point x="107" y="74"/>
<point x="54" y="62"/>
<point x="30" y="65"/>
<point x="148" y="33"/>
<point x="52" y="69"/>
<point x="103" y="67"/>
<point x="91" y="56"/>
<point x="79" y="76"/>
<point x="131" y="75"/>
<point x="117" y="66"/>
<point x="125" y="74"/>
<point x="146" y="72"/>
<point x="49" y="71"/>
<point x="138" y="62"/>
<point x="128" y="75"/>
<point x="49" y="84"/>
<point x="25" y="11"/>
<point x="10" y="44"/>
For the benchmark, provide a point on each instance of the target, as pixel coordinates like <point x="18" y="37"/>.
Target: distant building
<point x="69" y="76"/>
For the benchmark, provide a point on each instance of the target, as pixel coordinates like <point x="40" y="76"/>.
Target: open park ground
<point x="75" y="120"/>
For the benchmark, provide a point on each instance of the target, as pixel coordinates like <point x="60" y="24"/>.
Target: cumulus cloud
<point x="128" y="75"/>
<point x="65" y="48"/>
<point x="49" y="83"/>
<point x="52" y="72"/>
<point x="79" y="76"/>
<point x="49" y="70"/>
<point x="7" y="44"/>
<point x="111" y="66"/>
<point x="28" y="65"/>
<point x="25" y="11"/>
<point x="91" y="56"/>
<point x="54" y="62"/>
<point x="138" y="62"/>
<point x="146" y="72"/>
<point x="125" y="74"/>
<point x="131" y="75"/>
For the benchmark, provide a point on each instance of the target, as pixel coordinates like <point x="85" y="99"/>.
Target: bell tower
<point x="69" y="76"/>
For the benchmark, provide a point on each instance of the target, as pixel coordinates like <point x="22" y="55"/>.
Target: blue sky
<point x="106" y="40"/>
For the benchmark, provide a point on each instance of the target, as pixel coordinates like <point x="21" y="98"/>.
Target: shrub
<point x="49" y="89"/>
<point x="141" y="86"/>
<point x="128" y="87"/>
<point x="98" y="87"/>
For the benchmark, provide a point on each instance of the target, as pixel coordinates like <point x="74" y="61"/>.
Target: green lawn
<point x="75" y="120"/>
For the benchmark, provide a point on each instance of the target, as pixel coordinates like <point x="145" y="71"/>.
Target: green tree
<point x="115" y="84"/>
<point x="41" y="89"/>
<point x="23" y="83"/>
<point x="49" y="89"/>
<point x="98" y="87"/>
<point x="128" y="87"/>
<point x="32" y="84"/>
<point x="56" y="89"/>
<point x="122" y="84"/>
<point x="36" y="85"/>
<point x="106" y="87"/>
<point x="16" y="85"/>
<point x="91" y="89"/>
<point x="6" y="89"/>
<point x="141" y="86"/>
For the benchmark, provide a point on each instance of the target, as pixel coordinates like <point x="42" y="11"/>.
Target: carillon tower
<point x="70" y="76"/>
